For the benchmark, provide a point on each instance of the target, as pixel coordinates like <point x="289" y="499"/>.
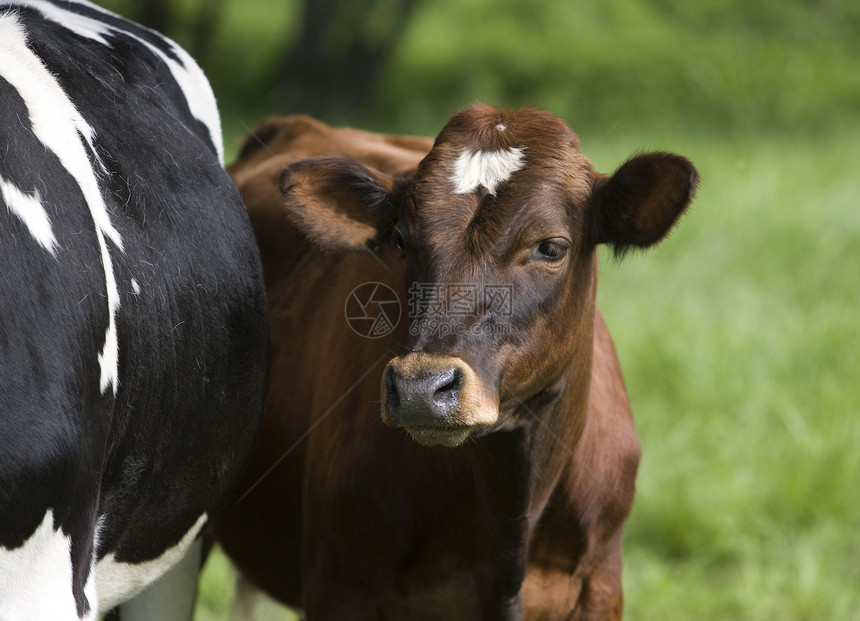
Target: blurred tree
<point x="195" y="30"/>
<point x="204" y="27"/>
<point x="153" y="14"/>
<point x="342" y="48"/>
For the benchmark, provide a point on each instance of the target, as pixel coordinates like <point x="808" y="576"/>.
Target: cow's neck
<point x="531" y="459"/>
<point x="558" y="415"/>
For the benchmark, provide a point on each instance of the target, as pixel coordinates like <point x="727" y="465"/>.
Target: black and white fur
<point x="132" y="315"/>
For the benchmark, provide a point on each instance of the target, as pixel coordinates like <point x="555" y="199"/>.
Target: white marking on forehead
<point x="485" y="168"/>
<point x="37" y="577"/>
<point x="135" y="287"/>
<point x="29" y="208"/>
<point x="60" y="127"/>
<point x="188" y="75"/>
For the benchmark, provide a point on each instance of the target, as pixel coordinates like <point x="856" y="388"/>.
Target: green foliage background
<point x="739" y="335"/>
<point x="707" y="66"/>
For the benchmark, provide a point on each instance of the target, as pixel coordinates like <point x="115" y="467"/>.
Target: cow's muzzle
<point x="436" y="399"/>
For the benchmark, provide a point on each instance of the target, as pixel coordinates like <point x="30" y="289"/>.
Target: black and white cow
<point x="132" y="315"/>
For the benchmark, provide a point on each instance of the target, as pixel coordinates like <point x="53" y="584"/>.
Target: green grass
<point x="218" y="588"/>
<point x="739" y="340"/>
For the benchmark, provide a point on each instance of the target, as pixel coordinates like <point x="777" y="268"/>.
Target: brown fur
<point x="352" y="519"/>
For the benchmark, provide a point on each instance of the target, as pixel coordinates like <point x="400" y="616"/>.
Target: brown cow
<point x="478" y="461"/>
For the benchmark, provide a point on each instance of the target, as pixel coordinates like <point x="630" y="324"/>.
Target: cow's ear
<point x="340" y="204"/>
<point x="637" y="206"/>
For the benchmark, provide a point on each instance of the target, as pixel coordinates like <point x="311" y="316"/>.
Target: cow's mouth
<point x="436" y="399"/>
<point x="432" y="436"/>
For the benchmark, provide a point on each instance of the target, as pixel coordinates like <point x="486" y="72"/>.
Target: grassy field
<point x="739" y="336"/>
<point x="739" y="340"/>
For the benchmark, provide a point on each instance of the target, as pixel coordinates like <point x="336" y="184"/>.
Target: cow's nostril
<point x="448" y="394"/>
<point x="436" y="399"/>
<point x="391" y="394"/>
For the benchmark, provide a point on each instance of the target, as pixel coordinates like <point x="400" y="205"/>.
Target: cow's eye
<point x="398" y="241"/>
<point x="550" y="250"/>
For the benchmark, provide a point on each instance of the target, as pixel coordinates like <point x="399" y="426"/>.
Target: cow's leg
<point x="590" y="593"/>
<point x="172" y="596"/>
<point x="601" y="597"/>
<point x="245" y="601"/>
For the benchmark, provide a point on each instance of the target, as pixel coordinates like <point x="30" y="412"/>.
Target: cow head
<point x="498" y="229"/>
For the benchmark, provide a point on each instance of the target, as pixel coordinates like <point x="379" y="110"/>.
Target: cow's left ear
<point x="638" y="205"/>
<point x="340" y="204"/>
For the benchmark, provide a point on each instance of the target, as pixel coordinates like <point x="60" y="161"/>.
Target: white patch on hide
<point x="36" y="578"/>
<point x="29" y="208"/>
<point x="60" y="127"/>
<point x="117" y="582"/>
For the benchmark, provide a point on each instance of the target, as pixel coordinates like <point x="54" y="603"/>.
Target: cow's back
<point x="316" y="357"/>
<point x="133" y="330"/>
